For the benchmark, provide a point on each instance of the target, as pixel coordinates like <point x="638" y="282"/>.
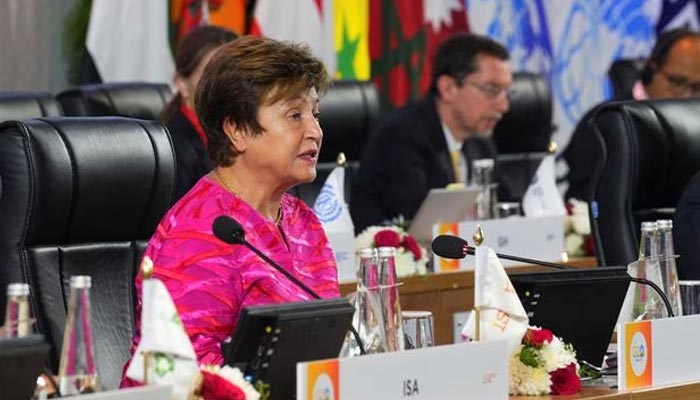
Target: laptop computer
<point x="443" y="205"/>
<point x="22" y="361"/>
<point x="579" y="305"/>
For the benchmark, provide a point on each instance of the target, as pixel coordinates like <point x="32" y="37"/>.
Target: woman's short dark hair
<point x="457" y="56"/>
<point x="189" y="53"/>
<point x="243" y="76"/>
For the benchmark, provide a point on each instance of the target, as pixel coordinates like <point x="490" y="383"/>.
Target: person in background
<point x="431" y="143"/>
<point x="672" y="71"/>
<point x="192" y="54"/>
<point x="258" y="101"/>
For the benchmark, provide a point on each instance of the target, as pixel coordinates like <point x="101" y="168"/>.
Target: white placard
<point x="137" y="393"/>
<point x="666" y="346"/>
<point x="538" y="238"/>
<point x="459" y="371"/>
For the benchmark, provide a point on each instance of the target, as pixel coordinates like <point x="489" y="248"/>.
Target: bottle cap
<point x="17" y="289"/>
<point x="664" y="223"/>
<point x="483" y="163"/>
<point x="648" y="226"/>
<point x="386" y="251"/>
<point x="367" y="252"/>
<point x="80" y="281"/>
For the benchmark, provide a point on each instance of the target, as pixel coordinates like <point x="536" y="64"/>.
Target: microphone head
<point x="447" y="246"/>
<point x="228" y="230"/>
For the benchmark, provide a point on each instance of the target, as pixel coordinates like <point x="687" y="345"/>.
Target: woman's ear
<point x="236" y="135"/>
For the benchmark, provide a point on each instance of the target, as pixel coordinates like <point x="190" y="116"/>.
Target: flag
<point x="502" y="315"/>
<point x="332" y="210"/>
<point x="186" y="15"/>
<point x="542" y="198"/>
<point x="307" y="21"/>
<point x="404" y="36"/>
<point x="351" y="26"/>
<point x="173" y="360"/>
<point x="128" y="40"/>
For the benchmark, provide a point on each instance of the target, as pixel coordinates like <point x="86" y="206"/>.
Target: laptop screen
<point x="579" y="305"/>
<point x="22" y="360"/>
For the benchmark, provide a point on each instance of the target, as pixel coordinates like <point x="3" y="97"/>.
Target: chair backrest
<point x="648" y="152"/>
<point x="24" y="105"/>
<point x="82" y="196"/>
<point x="129" y="99"/>
<point x="348" y="111"/>
<point x="527" y="126"/>
<point x="623" y="74"/>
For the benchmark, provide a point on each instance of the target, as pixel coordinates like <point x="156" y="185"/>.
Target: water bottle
<point x="18" y="322"/>
<point x="390" y="302"/>
<point x="77" y="373"/>
<point x="647" y="304"/>
<point x="667" y="264"/>
<point x="487" y="200"/>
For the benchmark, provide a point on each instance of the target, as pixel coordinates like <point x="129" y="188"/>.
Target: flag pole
<point x="146" y="273"/>
<point x="478" y="240"/>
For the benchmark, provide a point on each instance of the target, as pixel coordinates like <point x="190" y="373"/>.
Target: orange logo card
<point x="638" y="359"/>
<point x="445" y="263"/>
<point x="322" y="380"/>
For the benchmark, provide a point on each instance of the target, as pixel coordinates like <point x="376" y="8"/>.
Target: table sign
<point x="540" y="238"/>
<point x="138" y="393"/>
<point x="474" y="370"/>
<point x="658" y="352"/>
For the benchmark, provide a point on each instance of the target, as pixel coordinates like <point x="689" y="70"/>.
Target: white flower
<point x="406" y="264"/>
<point x="525" y="380"/>
<point x="235" y="376"/>
<point x="555" y="355"/>
<point x="579" y="221"/>
<point x="574" y="245"/>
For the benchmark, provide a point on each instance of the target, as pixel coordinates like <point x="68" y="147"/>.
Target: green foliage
<point x="586" y="371"/>
<point x="75" y="26"/>
<point x="262" y="388"/>
<point x="530" y="356"/>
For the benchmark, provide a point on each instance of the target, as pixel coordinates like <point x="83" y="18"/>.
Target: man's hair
<point x="244" y="75"/>
<point x="457" y="56"/>
<point x="659" y="54"/>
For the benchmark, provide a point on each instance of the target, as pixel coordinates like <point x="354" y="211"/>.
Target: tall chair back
<point x="129" y="99"/>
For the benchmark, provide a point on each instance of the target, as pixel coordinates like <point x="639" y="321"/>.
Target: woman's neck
<point x="265" y="199"/>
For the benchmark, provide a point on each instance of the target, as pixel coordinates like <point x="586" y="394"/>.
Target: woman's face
<point x="285" y="153"/>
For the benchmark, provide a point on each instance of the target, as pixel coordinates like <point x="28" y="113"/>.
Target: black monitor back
<point x="21" y="362"/>
<point x="271" y="339"/>
<point x="579" y="305"/>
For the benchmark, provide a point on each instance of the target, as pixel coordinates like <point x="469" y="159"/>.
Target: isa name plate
<point x="466" y="370"/>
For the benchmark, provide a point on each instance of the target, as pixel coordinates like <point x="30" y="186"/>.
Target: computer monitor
<point x="21" y="362"/>
<point x="579" y="305"/>
<point x="271" y="339"/>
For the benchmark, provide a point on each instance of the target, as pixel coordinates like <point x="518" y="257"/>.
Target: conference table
<point x="447" y="293"/>
<point x="688" y="391"/>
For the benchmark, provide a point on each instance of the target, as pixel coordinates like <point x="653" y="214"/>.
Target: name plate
<point x="658" y="352"/>
<point x="540" y="238"/>
<point x="473" y="370"/>
<point x="138" y="393"/>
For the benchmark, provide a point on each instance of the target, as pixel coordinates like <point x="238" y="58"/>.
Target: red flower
<point x="411" y="245"/>
<point x="565" y="381"/>
<point x="537" y="337"/>
<point x="387" y="238"/>
<point x="589" y="245"/>
<point x="215" y="387"/>
<point x="569" y="208"/>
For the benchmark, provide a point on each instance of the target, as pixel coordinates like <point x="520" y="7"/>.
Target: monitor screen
<point x="22" y="360"/>
<point x="579" y="305"/>
<point x="271" y="339"/>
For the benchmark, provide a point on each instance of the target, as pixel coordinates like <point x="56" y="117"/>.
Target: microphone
<point x="231" y="231"/>
<point x="453" y="247"/>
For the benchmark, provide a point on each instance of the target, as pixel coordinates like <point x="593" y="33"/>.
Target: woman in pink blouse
<point x="258" y="103"/>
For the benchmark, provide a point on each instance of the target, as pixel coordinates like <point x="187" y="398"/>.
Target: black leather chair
<point x="527" y="126"/>
<point x="309" y="191"/>
<point x="132" y="99"/>
<point x="348" y="111"/>
<point x="24" y="105"/>
<point x="623" y="74"/>
<point x="82" y="196"/>
<point x="648" y="152"/>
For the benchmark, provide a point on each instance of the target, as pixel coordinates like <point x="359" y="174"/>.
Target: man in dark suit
<point x="431" y="143"/>
<point x="686" y="231"/>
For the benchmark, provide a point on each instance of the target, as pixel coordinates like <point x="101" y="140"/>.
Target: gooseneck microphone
<point x="231" y="231"/>
<point x="453" y="247"/>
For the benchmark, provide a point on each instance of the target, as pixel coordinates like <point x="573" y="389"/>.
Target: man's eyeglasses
<point x="490" y="90"/>
<point x="680" y="84"/>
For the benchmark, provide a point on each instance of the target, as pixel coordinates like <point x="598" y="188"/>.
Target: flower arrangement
<point x="411" y="257"/>
<point x="577" y="229"/>
<point x="224" y="383"/>
<point x="543" y="364"/>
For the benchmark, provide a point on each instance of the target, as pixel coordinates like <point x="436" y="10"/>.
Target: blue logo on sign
<point x="327" y="205"/>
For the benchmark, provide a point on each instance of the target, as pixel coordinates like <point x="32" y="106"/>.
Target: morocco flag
<point x="403" y="38"/>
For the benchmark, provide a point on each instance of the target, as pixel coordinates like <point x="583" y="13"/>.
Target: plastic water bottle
<point x="391" y="304"/>
<point x="18" y="322"/>
<point x="667" y="264"/>
<point x="482" y="176"/>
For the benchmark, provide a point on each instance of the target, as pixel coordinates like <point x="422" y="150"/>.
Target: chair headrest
<point x="84" y="180"/>
<point x="623" y="74"/>
<point x="24" y="105"/>
<point x="527" y="126"/>
<point x="129" y="99"/>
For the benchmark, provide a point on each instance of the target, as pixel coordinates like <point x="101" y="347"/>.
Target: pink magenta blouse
<point x="211" y="281"/>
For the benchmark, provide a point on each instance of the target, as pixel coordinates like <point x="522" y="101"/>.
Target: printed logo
<point x="323" y="388"/>
<point x="638" y="353"/>
<point x="327" y="206"/>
